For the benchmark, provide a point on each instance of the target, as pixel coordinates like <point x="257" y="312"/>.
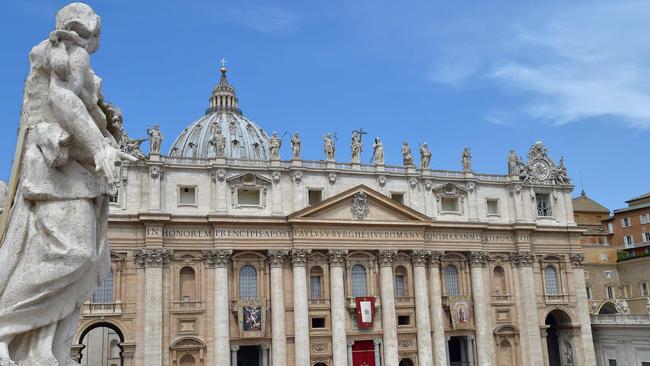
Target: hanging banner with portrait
<point x="459" y="313"/>
<point x="365" y="311"/>
<point x="252" y="321"/>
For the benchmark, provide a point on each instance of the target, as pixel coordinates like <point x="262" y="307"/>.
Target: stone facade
<point x="225" y="260"/>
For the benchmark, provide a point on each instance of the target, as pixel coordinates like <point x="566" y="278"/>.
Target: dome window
<point x="186" y="196"/>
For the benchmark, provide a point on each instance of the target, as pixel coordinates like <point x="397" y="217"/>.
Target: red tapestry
<point x="363" y="353"/>
<point x="365" y="311"/>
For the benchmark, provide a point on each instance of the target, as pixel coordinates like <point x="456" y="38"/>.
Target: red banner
<point x="365" y="311"/>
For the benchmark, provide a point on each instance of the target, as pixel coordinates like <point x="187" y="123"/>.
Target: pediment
<point x="360" y="205"/>
<point x="450" y="189"/>
<point x="249" y="179"/>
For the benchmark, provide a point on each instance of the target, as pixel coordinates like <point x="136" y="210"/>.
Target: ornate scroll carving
<point x="156" y="172"/>
<point x="478" y="258"/>
<point x="522" y="258"/>
<point x="435" y="257"/>
<point x="153" y="257"/>
<point x="360" y="207"/>
<point x="337" y="256"/>
<point x="217" y="257"/>
<point x="299" y="256"/>
<point x="577" y="259"/>
<point x="276" y="257"/>
<point x="385" y="257"/>
<point x="419" y="257"/>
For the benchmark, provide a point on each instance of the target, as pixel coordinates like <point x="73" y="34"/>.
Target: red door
<point x="363" y="353"/>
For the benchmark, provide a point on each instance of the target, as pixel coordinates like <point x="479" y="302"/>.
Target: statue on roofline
<point x="295" y="146"/>
<point x="53" y="234"/>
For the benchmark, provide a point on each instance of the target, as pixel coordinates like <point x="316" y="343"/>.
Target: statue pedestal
<point x="154" y="157"/>
<point x="356" y="165"/>
<point x="220" y="161"/>
<point x="469" y="174"/>
<point x="426" y="172"/>
<point x="296" y="162"/>
<point x="330" y="164"/>
<point x="410" y="169"/>
<point x="380" y="168"/>
<point x="275" y="162"/>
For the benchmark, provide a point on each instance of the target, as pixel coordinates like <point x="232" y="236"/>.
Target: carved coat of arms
<point x="359" y="205"/>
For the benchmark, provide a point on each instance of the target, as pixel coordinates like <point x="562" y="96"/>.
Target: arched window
<point x="187" y="360"/>
<point x="316" y="283"/>
<point x="187" y="280"/>
<point x="400" y="281"/>
<point x="499" y="281"/>
<point x="451" y="281"/>
<point x="247" y="282"/>
<point x="550" y="277"/>
<point x="359" y="285"/>
<point x="104" y="294"/>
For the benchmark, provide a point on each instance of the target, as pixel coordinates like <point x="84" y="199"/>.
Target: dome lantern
<point x="223" y="96"/>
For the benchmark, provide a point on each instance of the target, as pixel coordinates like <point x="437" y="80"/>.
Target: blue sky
<point x="492" y="76"/>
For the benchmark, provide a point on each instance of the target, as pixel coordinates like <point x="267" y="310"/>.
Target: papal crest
<point x="359" y="205"/>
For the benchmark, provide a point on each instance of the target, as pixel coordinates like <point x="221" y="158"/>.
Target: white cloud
<point x="266" y="19"/>
<point x="571" y="64"/>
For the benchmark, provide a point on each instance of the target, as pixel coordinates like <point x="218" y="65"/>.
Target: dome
<point x="242" y="137"/>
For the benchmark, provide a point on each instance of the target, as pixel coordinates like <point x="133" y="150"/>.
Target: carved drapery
<point x="152" y="257"/>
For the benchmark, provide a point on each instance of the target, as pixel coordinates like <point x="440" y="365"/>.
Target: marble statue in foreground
<point x="54" y="248"/>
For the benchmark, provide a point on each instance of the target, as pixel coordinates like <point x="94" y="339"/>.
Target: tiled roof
<point x="583" y="203"/>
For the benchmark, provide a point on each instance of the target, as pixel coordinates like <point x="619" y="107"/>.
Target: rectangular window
<point x="315" y="196"/>
<point x="645" y="218"/>
<point x="186" y="195"/>
<point x="589" y="294"/>
<point x="318" y="323"/>
<point x="449" y="204"/>
<point x="610" y="228"/>
<point x="492" y="207"/>
<point x="399" y="197"/>
<point x="315" y="286"/>
<point x="248" y="197"/>
<point x="608" y="275"/>
<point x="610" y="291"/>
<point x="400" y="290"/>
<point x="625" y="222"/>
<point x="627" y="290"/>
<point x="604" y="257"/>
<point x="646" y="237"/>
<point x="628" y="241"/>
<point x="113" y="198"/>
<point x="643" y="287"/>
<point x="403" y="320"/>
<point x="543" y="205"/>
<point x="611" y="362"/>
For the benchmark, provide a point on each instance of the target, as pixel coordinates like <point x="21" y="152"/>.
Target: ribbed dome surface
<point x="244" y="138"/>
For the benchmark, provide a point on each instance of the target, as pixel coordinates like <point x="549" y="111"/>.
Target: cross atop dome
<point x="223" y="98"/>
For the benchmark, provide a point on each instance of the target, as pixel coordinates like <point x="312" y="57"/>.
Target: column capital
<point x="385" y="257"/>
<point x="276" y="257"/>
<point x="478" y="259"/>
<point x="522" y="258"/>
<point x="435" y="258"/>
<point x="299" y="257"/>
<point x="337" y="256"/>
<point x="217" y="258"/>
<point x="265" y="346"/>
<point x="577" y="259"/>
<point x="234" y="348"/>
<point x="376" y="342"/>
<point x="128" y="349"/>
<point x="152" y="257"/>
<point x="419" y="257"/>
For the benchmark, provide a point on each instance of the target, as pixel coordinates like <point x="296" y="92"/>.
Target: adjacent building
<point x="223" y="253"/>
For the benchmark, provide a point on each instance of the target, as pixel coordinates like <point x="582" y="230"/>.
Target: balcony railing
<point x="101" y="309"/>
<point x="556" y="298"/>
<point x="404" y="301"/>
<point x="321" y="302"/>
<point x="351" y="303"/>
<point x="187" y="306"/>
<point x="502" y="299"/>
<point x="620" y="319"/>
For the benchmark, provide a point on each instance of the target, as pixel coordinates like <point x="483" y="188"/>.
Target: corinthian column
<point x="478" y="260"/>
<point x="582" y="309"/>
<point x="153" y="260"/>
<point x="278" y="339"/>
<point x="300" y="306"/>
<point x="388" y="315"/>
<point x="530" y="326"/>
<point x="220" y="261"/>
<point x="422" y="318"/>
<point x="439" y="341"/>
<point x="337" y="307"/>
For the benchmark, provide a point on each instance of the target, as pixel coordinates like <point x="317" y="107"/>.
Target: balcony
<point x="502" y="299"/>
<point x="556" y="299"/>
<point x="446" y="299"/>
<point x="90" y="309"/>
<point x="351" y="303"/>
<point x="187" y="306"/>
<point x="404" y="301"/>
<point x="623" y="319"/>
<point x="320" y="303"/>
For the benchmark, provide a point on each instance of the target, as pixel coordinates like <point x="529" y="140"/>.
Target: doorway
<point x="559" y="346"/>
<point x="363" y="353"/>
<point x="248" y="356"/>
<point x="458" y="351"/>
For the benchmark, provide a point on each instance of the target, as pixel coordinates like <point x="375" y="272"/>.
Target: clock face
<point x="540" y="169"/>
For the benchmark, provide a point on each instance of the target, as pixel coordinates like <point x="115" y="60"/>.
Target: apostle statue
<point x="132" y="146"/>
<point x="54" y="248"/>
<point x="274" y="146"/>
<point x="425" y="156"/>
<point x="218" y="142"/>
<point x="155" y="139"/>
<point x="407" y="155"/>
<point x="378" y="152"/>
<point x="356" y="146"/>
<point x="513" y="166"/>
<point x="329" y="146"/>
<point x="561" y="175"/>
<point x="295" y="146"/>
<point x="466" y="160"/>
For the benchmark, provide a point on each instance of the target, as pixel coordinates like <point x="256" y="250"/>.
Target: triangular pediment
<point x="360" y="205"/>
